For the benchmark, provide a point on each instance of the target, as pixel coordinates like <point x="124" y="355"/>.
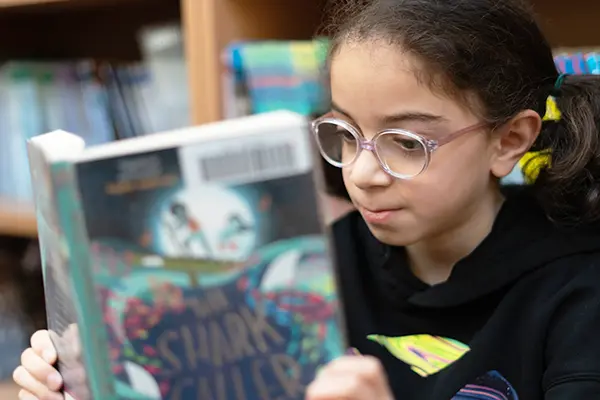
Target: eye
<point x="407" y="144"/>
<point x="345" y="135"/>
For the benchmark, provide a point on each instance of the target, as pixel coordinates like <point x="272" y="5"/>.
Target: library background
<point x="112" y="69"/>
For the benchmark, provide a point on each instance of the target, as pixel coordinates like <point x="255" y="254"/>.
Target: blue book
<point x="593" y="62"/>
<point x="194" y="263"/>
<point x="579" y="63"/>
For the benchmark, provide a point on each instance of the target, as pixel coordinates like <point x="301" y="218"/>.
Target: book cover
<point x="57" y="222"/>
<point x="209" y="270"/>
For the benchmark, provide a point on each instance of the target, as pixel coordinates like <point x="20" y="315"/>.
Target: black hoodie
<point x="519" y="318"/>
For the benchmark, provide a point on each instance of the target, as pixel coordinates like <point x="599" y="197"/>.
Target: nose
<point x="367" y="173"/>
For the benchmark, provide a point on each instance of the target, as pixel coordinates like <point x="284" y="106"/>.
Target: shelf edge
<point x="17" y="219"/>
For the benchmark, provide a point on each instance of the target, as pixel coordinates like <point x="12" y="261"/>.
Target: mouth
<point x="378" y="215"/>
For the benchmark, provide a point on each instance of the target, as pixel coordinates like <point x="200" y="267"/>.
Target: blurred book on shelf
<point x="263" y="76"/>
<point x="100" y="101"/>
<point x="168" y="91"/>
<point x="577" y="61"/>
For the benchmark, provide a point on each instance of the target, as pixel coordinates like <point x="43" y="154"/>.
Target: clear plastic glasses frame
<point x="429" y="145"/>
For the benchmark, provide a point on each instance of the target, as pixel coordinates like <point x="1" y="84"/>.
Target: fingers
<point x="350" y="378"/>
<point x="338" y="388"/>
<point x="43" y="346"/>
<point x="369" y="369"/>
<point x="40" y="370"/>
<point x="32" y="387"/>
<point x="26" y="395"/>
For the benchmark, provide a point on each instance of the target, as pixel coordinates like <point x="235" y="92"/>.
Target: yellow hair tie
<point x="552" y="111"/>
<point x="533" y="162"/>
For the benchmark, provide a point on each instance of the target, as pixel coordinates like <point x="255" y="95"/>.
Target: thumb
<point x="43" y="346"/>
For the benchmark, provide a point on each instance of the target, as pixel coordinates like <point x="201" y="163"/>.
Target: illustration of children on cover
<point x="197" y="229"/>
<point x="188" y="230"/>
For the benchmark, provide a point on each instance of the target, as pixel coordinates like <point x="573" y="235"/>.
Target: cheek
<point x="455" y="177"/>
<point x="347" y="181"/>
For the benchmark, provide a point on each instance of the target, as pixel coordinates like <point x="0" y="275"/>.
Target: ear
<point x="513" y="140"/>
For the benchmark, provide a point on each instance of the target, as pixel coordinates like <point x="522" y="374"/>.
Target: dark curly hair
<point x="492" y="55"/>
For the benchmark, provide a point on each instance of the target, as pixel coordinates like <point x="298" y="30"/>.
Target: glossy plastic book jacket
<point x="196" y="262"/>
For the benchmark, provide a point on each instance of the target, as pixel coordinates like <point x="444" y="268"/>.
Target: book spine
<point x="593" y="62"/>
<point x="94" y="341"/>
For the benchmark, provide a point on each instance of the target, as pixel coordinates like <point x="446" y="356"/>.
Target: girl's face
<point x="374" y="87"/>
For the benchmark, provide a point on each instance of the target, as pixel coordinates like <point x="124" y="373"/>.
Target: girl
<point x="455" y="287"/>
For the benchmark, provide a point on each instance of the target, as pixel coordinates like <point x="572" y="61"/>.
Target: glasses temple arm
<point x="455" y="135"/>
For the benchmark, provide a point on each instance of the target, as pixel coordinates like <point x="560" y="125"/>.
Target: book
<point x="577" y="61"/>
<point x="61" y="298"/>
<point x="268" y="75"/>
<point x="192" y="264"/>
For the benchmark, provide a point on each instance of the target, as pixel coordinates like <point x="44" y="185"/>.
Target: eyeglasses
<point x="402" y="154"/>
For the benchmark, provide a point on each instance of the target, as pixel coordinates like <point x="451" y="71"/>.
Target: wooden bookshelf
<point x="37" y="3"/>
<point x="211" y="24"/>
<point x="108" y="29"/>
<point x="20" y="3"/>
<point x="571" y="24"/>
<point x="71" y="29"/>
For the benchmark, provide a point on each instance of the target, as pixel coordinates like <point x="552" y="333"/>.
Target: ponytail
<point x="568" y="188"/>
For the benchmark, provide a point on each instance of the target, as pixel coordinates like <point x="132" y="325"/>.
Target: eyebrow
<point x="407" y="116"/>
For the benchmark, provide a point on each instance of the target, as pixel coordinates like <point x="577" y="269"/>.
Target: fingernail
<point x="48" y="356"/>
<point x="55" y="379"/>
<point x="352" y="352"/>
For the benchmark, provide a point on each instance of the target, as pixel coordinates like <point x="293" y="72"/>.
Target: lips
<point x="378" y="215"/>
<point x="378" y="209"/>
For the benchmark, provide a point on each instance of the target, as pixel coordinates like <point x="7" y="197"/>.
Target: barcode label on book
<point x="247" y="159"/>
<point x="250" y="161"/>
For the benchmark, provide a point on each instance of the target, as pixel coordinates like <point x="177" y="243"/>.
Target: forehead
<point x="372" y="80"/>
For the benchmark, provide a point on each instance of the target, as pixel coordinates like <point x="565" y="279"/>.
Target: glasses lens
<point x="338" y="145"/>
<point x="402" y="154"/>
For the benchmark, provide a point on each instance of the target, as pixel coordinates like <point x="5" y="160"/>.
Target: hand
<point x="351" y="378"/>
<point x="36" y="375"/>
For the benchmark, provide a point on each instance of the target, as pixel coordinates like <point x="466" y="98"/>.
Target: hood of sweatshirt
<point x="521" y="241"/>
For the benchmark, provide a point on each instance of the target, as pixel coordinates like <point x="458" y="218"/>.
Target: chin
<point x="394" y="235"/>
